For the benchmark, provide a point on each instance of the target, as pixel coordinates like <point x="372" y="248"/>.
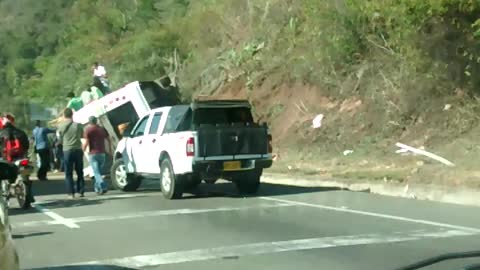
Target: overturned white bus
<point x="125" y="106"/>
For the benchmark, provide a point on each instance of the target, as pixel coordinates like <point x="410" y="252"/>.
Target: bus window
<point x="123" y="114"/>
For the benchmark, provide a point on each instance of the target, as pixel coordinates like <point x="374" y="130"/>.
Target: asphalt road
<point x="284" y="227"/>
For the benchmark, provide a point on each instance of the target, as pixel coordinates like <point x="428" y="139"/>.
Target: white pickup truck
<point x="185" y="144"/>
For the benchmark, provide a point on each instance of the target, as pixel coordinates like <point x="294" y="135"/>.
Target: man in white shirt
<point x="99" y="78"/>
<point x="99" y="71"/>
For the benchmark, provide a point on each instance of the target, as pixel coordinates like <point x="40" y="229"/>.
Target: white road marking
<point x="274" y="247"/>
<point x="372" y="214"/>
<point x="145" y="214"/>
<point x="57" y="218"/>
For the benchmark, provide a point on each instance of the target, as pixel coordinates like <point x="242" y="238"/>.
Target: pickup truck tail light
<point x="270" y="145"/>
<point x="190" y="147"/>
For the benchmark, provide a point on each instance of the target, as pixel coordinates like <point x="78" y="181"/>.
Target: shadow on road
<point x="266" y="189"/>
<point x="85" y="267"/>
<point x="27" y="235"/>
<point x="57" y="186"/>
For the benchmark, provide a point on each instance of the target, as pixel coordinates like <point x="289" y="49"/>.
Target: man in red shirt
<point x="95" y="137"/>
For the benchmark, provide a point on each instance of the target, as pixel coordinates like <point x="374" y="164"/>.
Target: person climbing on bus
<point x="95" y="92"/>
<point x="74" y="103"/>
<point x="86" y="96"/>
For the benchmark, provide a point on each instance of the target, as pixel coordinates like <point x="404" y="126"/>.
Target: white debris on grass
<point x="347" y="152"/>
<point x="425" y="153"/>
<point x="317" y="121"/>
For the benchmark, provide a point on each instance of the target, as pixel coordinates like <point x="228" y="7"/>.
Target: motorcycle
<point x="15" y="182"/>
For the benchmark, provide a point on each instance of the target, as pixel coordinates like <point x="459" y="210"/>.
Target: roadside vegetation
<point x="380" y="71"/>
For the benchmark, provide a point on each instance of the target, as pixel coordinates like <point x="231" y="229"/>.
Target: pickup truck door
<point x="134" y="146"/>
<point x="153" y="144"/>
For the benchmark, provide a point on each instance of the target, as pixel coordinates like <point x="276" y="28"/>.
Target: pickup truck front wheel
<point x="248" y="182"/>
<point x="172" y="186"/>
<point x="121" y="179"/>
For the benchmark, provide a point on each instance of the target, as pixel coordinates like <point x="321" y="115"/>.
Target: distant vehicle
<point x="8" y="253"/>
<point x="125" y="106"/>
<point x="185" y="144"/>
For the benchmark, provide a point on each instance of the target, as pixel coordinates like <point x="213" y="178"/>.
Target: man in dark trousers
<point x="70" y="134"/>
<point x="42" y="148"/>
<point x="95" y="138"/>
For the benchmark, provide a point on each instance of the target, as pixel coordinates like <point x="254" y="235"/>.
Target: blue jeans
<point x="97" y="161"/>
<point x="74" y="160"/>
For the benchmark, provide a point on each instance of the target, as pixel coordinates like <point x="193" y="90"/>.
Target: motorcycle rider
<point x="15" y="145"/>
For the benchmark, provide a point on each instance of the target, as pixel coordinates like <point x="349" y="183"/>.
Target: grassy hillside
<point x="380" y="71"/>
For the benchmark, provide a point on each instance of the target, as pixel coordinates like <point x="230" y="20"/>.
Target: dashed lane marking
<point x="274" y="247"/>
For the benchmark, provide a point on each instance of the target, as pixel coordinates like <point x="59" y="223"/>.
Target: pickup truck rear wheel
<point x="248" y="182"/>
<point x="122" y="180"/>
<point x="172" y="186"/>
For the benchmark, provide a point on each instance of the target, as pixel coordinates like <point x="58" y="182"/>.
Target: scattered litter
<point x="447" y="107"/>
<point x="317" y="121"/>
<point x="363" y="162"/>
<point x="347" y="152"/>
<point x="290" y="168"/>
<point x="420" y="163"/>
<point x="274" y="157"/>
<point x="425" y="153"/>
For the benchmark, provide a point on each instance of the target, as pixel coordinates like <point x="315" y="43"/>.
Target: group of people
<point x="93" y="92"/>
<point x="68" y="144"/>
<point x="97" y="142"/>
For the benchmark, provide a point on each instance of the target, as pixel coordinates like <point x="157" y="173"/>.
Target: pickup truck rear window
<point x="213" y="116"/>
<point x="175" y="117"/>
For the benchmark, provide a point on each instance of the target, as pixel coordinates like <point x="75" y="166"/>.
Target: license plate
<point x="232" y="165"/>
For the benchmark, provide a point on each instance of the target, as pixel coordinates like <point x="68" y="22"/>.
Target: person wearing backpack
<point x="15" y="145"/>
<point x="70" y="135"/>
<point x="14" y="140"/>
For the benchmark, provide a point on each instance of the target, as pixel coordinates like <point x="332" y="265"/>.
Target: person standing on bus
<point x="99" y="70"/>
<point x="100" y="78"/>
<point x="95" y="138"/>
